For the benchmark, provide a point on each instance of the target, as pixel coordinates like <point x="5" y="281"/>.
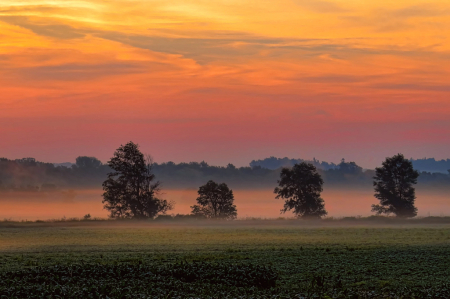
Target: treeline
<point x="132" y="191"/>
<point x="432" y="165"/>
<point x="425" y="164"/>
<point x="276" y="163"/>
<point x="89" y="172"/>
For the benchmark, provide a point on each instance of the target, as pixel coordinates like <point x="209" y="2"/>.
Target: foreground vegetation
<point x="266" y="259"/>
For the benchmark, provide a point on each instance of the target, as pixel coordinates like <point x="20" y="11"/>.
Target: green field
<point x="246" y="259"/>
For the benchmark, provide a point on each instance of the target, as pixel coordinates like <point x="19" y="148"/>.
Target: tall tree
<point x="301" y="186"/>
<point x="130" y="189"/>
<point x="215" y="201"/>
<point x="393" y="184"/>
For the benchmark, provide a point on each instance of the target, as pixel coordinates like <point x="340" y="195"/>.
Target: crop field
<point x="240" y="259"/>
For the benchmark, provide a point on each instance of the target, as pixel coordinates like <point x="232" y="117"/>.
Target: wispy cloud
<point x="414" y="87"/>
<point x="59" y="31"/>
<point x="75" y="72"/>
<point x="321" y="6"/>
<point x="423" y="10"/>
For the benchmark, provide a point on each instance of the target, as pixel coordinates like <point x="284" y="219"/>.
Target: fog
<point x="250" y="203"/>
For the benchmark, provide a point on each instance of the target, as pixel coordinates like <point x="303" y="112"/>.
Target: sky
<point x="225" y="81"/>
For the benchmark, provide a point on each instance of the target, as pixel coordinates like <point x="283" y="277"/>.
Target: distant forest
<point x="426" y="164"/>
<point x="88" y="172"/>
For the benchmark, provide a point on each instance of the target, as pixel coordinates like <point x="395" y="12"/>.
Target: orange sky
<point x="225" y="81"/>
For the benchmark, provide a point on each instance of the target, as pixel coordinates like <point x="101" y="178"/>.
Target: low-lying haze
<point x="249" y="203"/>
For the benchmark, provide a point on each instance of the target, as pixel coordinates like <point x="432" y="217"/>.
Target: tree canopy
<point x="215" y="201"/>
<point x="393" y="184"/>
<point x="301" y="186"/>
<point x="88" y="162"/>
<point x="349" y="167"/>
<point x="130" y="189"/>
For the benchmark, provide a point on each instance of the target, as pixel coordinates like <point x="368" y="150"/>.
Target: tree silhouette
<point x="349" y="167"/>
<point x="129" y="190"/>
<point x="88" y="162"/>
<point x="393" y="187"/>
<point x="215" y="201"/>
<point x="300" y="186"/>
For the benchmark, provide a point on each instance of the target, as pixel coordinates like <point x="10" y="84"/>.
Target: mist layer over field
<point x="250" y="203"/>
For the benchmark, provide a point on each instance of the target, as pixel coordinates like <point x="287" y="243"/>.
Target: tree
<point x="88" y="162"/>
<point x="349" y="167"/>
<point x="130" y="190"/>
<point x="215" y="201"/>
<point x="300" y="186"/>
<point x="393" y="184"/>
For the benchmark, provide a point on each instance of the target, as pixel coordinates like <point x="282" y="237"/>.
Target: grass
<point x="310" y="260"/>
